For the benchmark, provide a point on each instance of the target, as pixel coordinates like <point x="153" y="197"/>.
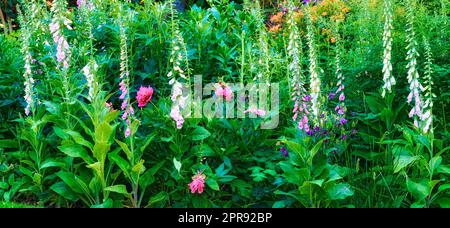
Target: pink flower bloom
<point x="224" y="91"/>
<point x="124" y="105"/>
<point x="295" y="116"/>
<point x="219" y="91"/>
<point x="410" y="97"/>
<point x="342" y="97"/>
<point x="300" y="125"/>
<point x="176" y="115"/>
<point x="258" y="112"/>
<point x="127" y="132"/>
<point x="228" y="93"/>
<point x="144" y="95"/>
<point x="198" y="183"/>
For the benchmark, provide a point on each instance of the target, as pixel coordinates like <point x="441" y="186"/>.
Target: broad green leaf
<point x="161" y="196"/>
<point x="147" y="178"/>
<point x="4" y="185"/>
<point x="107" y="204"/>
<point x="424" y="141"/>
<point x="279" y="204"/>
<point x="76" y="151"/>
<point x="200" y="133"/>
<point x="444" y="169"/>
<point x="418" y="204"/>
<point x="70" y="180"/>
<point x="139" y="168"/>
<point x="122" y="189"/>
<point x="125" y="149"/>
<point x="316" y="182"/>
<point x="78" y="138"/>
<point x="100" y="150"/>
<point x="52" y="163"/>
<point x="111" y="116"/>
<point x="444" y="202"/>
<point x="419" y="190"/>
<point x="314" y="151"/>
<point x="443" y="187"/>
<point x="103" y="133"/>
<point x="60" y="133"/>
<point x="8" y="143"/>
<point x="62" y="189"/>
<point x="96" y="166"/>
<point x="122" y="163"/>
<point x="402" y="161"/>
<point x="435" y="162"/>
<point x="294" y="175"/>
<point x="339" y="191"/>
<point x="177" y="164"/>
<point x="148" y="140"/>
<point x="212" y="183"/>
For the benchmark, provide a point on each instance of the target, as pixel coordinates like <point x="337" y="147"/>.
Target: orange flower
<point x="277" y="18"/>
<point x="333" y="40"/>
<point x="275" y="28"/>
<point x="324" y="14"/>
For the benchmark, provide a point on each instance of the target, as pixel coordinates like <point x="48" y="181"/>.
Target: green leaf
<point x="103" y="133"/>
<point x="177" y="164"/>
<point x="111" y="116"/>
<point x="100" y="150"/>
<point x="8" y="143"/>
<point x="60" y="133"/>
<point x="424" y="141"/>
<point x="122" y="163"/>
<point x="339" y="191"/>
<point x="147" y="178"/>
<point x="316" y="182"/>
<point x="314" y="151"/>
<point x="52" y="107"/>
<point x="4" y="185"/>
<point x="444" y="169"/>
<point x="443" y="187"/>
<point x="62" y="189"/>
<point x="107" y="204"/>
<point x="212" y="183"/>
<point x="294" y="175"/>
<point x="122" y="189"/>
<point x="148" y="140"/>
<point x="279" y="204"/>
<point x="444" y="202"/>
<point x="435" y="162"/>
<point x="419" y="204"/>
<point x="402" y="161"/>
<point x="125" y="149"/>
<point x="78" y="138"/>
<point x="157" y="198"/>
<point x="52" y="163"/>
<point x="71" y="181"/>
<point x="139" y="168"/>
<point x="76" y="151"/>
<point x="419" y="190"/>
<point x="200" y="133"/>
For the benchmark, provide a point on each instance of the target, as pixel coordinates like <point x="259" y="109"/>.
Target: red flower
<point x="144" y="95"/>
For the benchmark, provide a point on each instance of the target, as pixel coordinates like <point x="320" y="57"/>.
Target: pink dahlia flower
<point x="144" y="95"/>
